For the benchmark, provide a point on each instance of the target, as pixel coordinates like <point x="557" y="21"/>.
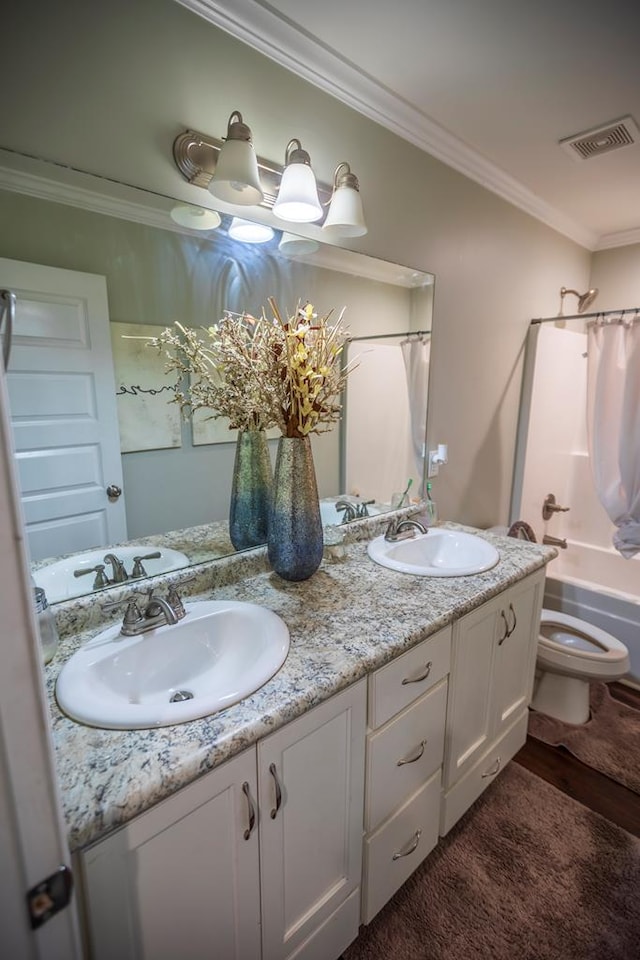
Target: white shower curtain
<point x="613" y="419"/>
<point x="415" y="353"/>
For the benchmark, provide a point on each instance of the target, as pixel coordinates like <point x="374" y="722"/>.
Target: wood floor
<point x="593" y="789"/>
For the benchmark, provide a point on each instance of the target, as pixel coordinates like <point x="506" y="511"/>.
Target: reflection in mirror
<point x="175" y="477"/>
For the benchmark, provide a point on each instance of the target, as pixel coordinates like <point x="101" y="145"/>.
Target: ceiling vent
<point x="610" y="136"/>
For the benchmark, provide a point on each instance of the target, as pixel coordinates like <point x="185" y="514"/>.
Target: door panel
<point x="63" y="409"/>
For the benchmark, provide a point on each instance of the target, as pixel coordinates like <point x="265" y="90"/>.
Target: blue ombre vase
<point x="250" y="491"/>
<point x="295" y="541"/>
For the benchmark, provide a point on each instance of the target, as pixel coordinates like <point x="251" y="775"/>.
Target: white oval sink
<point x="437" y="553"/>
<point x="221" y="652"/>
<point x="59" y="583"/>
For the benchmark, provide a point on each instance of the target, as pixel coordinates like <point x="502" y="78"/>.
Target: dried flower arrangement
<point x="227" y="371"/>
<point x="262" y="373"/>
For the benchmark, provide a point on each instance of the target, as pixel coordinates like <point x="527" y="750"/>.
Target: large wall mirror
<point x="176" y="477"/>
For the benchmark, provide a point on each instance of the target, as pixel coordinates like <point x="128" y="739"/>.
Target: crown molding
<point x="623" y="238"/>
<point x="273" y="35"/>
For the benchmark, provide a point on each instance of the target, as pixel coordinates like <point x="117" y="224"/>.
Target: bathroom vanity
<point x="273" y="829"/>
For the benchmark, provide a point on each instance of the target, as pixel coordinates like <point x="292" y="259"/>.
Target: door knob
<point x="549" y="507"/>
<point x="113" y="492"/>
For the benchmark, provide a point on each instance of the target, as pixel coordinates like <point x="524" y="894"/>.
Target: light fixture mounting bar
<point x="196" y="156"/>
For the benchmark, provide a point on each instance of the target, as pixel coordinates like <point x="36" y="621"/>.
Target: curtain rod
<point x="386" y="336"/>
<point x="585" y="316"/>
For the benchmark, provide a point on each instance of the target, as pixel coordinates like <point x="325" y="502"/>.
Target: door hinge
<point x="49" y="896"/>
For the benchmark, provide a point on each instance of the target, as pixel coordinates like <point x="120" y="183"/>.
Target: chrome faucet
<point x="156" y="613"/>
<point x="118" y="572"/>
<point x="403" y="529"/>
<point x="349" y="510"/>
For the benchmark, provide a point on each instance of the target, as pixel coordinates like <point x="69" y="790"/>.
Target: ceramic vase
<point x="250" y="491"/>
<point x="295" y="541"/>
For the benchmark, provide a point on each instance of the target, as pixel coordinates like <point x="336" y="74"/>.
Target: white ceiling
<point x="488" y="86"/>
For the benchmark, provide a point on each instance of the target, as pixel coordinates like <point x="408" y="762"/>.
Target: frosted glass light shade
<point x="195" y="218"/>
<point x="297" y="199"/>
<point x="236" y="178"/>
<point x="247" y="231"/>
<point x="294" y="246"/>
<point x="346" y="216"/>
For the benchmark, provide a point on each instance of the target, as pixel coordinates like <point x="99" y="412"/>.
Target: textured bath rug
<point x="527" y="874"/>
<point x="609" y="742"/>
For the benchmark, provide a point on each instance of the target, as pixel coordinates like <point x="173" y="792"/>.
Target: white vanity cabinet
<point x="492" y="671"/>
<point x="258" y="859"/>
<point x="405" y="741"/>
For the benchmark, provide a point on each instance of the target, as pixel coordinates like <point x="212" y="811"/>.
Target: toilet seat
<point x="568" y="645"/>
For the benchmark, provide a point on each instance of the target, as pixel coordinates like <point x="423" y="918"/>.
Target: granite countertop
<point x="350" y="618"/>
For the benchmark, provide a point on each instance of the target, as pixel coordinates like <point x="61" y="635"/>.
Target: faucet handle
<point x="101" y="579"/>
<point x="175" y="602"/>
<point x="138" y="570"/>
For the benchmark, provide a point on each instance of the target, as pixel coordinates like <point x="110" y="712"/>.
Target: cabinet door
<point x="181" y="880"/>
<point x="470" y="713"/>
<point x="517" y="642"/>
<point x="311" y="787"/>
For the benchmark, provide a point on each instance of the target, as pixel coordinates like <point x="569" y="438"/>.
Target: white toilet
<point x="571" y="653"/>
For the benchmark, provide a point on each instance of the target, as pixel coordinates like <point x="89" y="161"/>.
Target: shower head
<point x="584" y="299"/>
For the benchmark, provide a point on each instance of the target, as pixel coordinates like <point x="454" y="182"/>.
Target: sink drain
<point x="181" y="695"/>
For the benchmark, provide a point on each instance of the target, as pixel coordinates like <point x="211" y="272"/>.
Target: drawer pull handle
<point x="423" y="676"/>
<point x="274" y="774"/>
<point x="252" y="811"/>
<point x="506" y="629"/>
<point x="494" y="769"/>
<point x="413" y="845"/>
<point x="417" y="755"/>
<point x="515" y="620"/>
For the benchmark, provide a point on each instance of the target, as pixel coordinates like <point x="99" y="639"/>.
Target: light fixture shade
<point x="247" y="231"/>
<point x="297" y="199"/>
<point x="195" y="218"/>
<point x="346" y="215"/>
<point x="293" y="246"/>
<point x="236" y="178"/>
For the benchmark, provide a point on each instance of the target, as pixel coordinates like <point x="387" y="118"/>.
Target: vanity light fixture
<point x="346" y="216"/>
<point x="247" y="231"/>
<point x="297" y="199"/>
<point x="236" y="178"/>
<point x="195" y="218"/>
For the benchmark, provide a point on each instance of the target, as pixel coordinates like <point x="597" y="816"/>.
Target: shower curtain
<point x="613" y="419"/>
<point x="415" y="353"/>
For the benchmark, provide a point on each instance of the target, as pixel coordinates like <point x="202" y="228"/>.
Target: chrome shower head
<point x="584" y="299"/>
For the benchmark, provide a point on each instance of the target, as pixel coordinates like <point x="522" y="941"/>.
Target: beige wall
<point x="110" y="86"/>
<point x="616" y="274"/>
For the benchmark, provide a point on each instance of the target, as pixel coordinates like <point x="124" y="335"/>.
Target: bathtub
<point x="596" y="584"/>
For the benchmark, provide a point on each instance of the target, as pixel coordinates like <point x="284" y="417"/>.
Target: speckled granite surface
<point x="351" y="617"/>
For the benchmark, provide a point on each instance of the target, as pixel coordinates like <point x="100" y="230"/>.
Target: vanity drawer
<point x="394" y="851"/>
<point x="404" y="753"/>
<point x="467" y="790"/>
<point x="393" y="687"/>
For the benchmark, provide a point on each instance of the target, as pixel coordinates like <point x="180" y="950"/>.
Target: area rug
<point x="609" y="742"/>
<point x="527" y="874"/>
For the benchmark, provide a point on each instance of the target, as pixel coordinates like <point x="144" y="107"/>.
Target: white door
<point x="62" y="396"/>
<point x="32" y="840"/>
